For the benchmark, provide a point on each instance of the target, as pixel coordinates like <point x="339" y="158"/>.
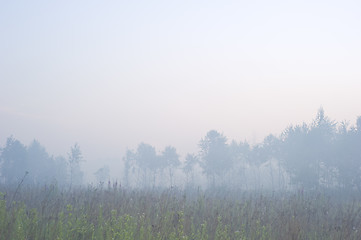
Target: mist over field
<point x="109" y="76"/>
<point x="180" y="119"/>
<point x="319" y="154"/>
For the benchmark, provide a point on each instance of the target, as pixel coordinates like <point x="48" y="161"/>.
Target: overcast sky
<point x="111" y="74"/>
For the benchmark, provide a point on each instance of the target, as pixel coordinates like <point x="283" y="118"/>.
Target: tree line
<point x="320" y="154"/>
<point x="33" y="162"/>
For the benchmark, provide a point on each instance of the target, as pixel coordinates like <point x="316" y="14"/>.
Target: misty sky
<point x="111" y="74"/>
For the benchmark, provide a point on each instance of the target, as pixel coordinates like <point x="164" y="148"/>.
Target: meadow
<point x="112" y="212"/>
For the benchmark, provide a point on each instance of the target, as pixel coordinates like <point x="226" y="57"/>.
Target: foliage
<point x="190" y="162"/>
<point x="149" y="166"/>
<point x="16" y="159"/>
<point x="171" y="160"/>
<point x="321" y="154"/>
<point x="215" y="155"/>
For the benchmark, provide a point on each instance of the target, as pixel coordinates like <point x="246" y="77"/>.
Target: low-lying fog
<point x="154" y="93"/>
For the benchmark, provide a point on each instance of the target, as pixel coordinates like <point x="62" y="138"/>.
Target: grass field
<point x="112" y="212"/>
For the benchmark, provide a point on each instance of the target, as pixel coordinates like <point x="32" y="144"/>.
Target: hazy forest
<point x="320" y="154"/>
<point x="303" y="184"/>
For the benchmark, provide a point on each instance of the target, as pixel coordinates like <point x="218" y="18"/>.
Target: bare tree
<point x="75" y="158"/>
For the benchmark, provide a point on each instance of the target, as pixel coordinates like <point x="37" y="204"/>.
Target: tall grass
<point x="49" y="212"/>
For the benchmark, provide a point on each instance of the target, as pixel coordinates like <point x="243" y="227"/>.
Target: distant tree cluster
<point x="18" y="161"/>
<point x="320" y="154"/>
<point x="150" y="168"/>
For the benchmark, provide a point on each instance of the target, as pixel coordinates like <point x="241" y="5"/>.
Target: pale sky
<point x="111" y="74"/>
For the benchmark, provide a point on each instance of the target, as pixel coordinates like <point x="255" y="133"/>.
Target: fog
<point x="319" y="154"/>
<point x="103" y="78"/>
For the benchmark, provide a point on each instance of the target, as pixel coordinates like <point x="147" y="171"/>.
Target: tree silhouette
<point x="75" y="157"/>
<point x="60" y="171"/>
<point x="358" y="124"/>
<point x="171" y="160"/>
<point x="215" y="156"/>
<point x="13" y="161"/>
<point x="297" y="158"/>
<point x="146" y="160"/>
<point x="347" y="156"/>
<point x="240" y="154"/>
<point x="41" y="165"/>
<point x="190" y="162"/>
<point x="307" y="151"/>
<point x="129" y="164"/>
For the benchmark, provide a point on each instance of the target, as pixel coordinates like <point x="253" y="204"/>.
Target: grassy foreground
<point x="115" y="213"/>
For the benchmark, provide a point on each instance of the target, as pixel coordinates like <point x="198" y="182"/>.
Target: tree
<point x="13" y="160"/>
<point x="60" y="169"/>
<point x="41" y="165"/>
<point x="347" y="156"/>
<point x="188" y="169"/>
<point x="215" y="156"/>
<point x="358" y="124"/>
<point x="321" y="138"/>
<point x="171" y="160"/>
<point x="75" y="158"/>
<point x="129" y="163"/>
<point x="146" y="160"/>
<point x="241" y="156"/>
<point x="296" y="156"/>
<point x="307" y="151"/>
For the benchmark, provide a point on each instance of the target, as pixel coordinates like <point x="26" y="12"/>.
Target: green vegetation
<point x="115" y="213"/>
